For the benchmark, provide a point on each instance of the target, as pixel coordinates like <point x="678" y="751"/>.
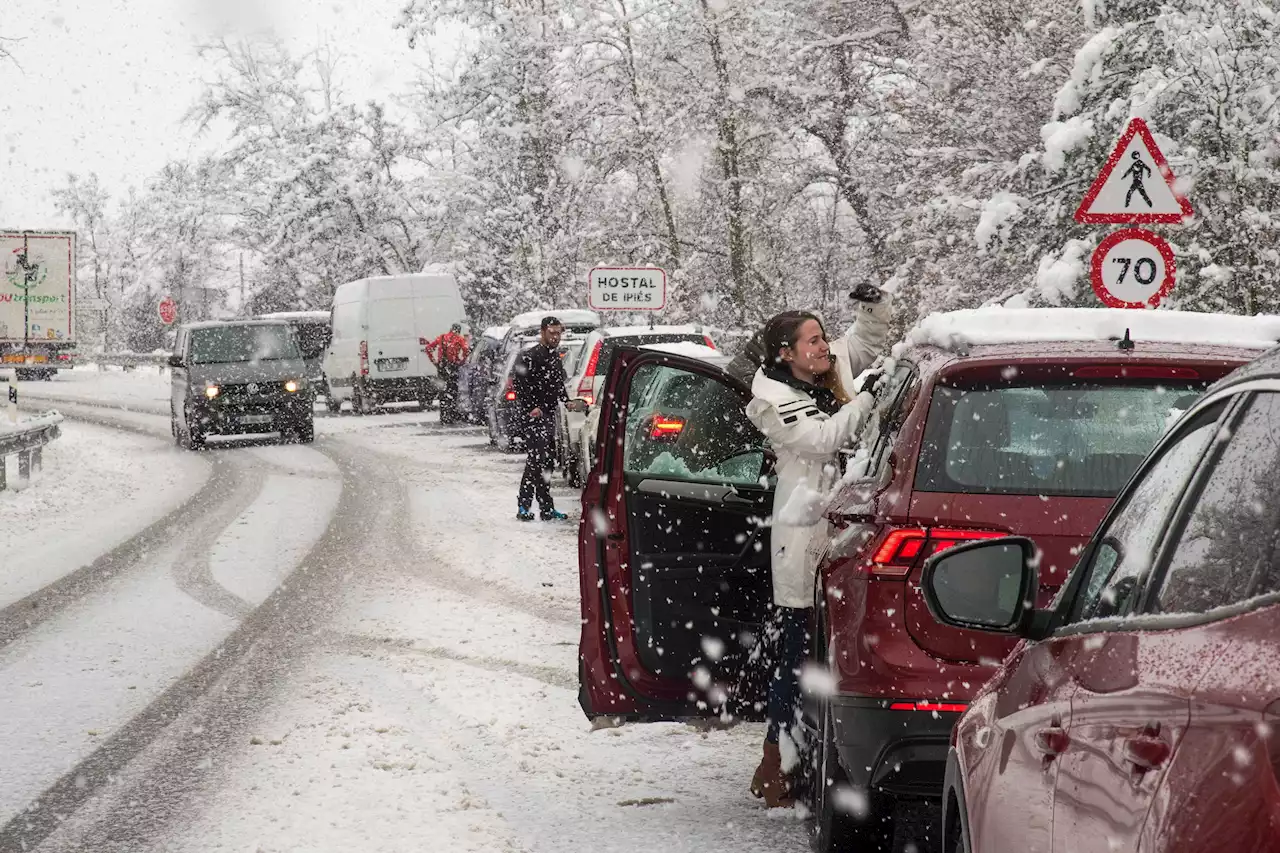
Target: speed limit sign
<point x="1133" y="268"/>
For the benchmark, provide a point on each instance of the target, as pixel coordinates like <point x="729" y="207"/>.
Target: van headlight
<point x="293" y="385"/>
<point x="212" y="391"/>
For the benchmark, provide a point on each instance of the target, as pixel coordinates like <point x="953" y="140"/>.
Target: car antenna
<point x="1126" y="342"/>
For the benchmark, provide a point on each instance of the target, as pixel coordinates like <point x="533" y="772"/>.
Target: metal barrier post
<point x="24" y="466"/>
<point x="37" y="459"/>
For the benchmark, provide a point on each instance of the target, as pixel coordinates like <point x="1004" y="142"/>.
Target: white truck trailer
<point x="37" y="301"/>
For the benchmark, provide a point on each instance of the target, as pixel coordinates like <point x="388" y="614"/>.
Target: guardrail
<point x="27" y="439"/>
<point x="127" y="360"/>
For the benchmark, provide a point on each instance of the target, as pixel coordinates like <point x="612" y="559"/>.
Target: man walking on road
<point x="447" y="353"/>
<point x="539" y="380"/>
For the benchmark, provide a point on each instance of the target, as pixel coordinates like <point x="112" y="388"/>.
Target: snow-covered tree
<point x="1205" y="74"/>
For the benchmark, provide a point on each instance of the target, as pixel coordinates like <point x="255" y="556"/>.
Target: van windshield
<point x="1046" y="439"/>
<point x="231" y="344"/>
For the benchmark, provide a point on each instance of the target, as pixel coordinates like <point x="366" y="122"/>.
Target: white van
<point x="379" y="326"/>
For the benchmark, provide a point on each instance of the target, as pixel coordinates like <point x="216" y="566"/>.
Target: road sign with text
<point x="1133" y="268"/>
<point x="628" y="289"/>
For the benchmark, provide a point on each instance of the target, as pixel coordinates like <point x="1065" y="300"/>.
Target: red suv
<point x="967" y="442"/>
<point x="1139" y="713"/>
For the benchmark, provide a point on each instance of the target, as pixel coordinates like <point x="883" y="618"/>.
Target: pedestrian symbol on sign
<point x="1139" y="170"/>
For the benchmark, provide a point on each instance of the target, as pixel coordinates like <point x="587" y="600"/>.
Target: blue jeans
<point x="792" y="627"/>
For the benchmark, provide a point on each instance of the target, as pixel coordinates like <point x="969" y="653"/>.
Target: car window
<point x="1226" y="550"/>
<point x="682" y="425"/>
<point x="609" y="346"/>
<point x="1125" y="549"/>
<point x="880" y="429"/>
<point x="1048" y="438"/>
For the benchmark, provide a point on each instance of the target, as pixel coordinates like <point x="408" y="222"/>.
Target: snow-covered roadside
<point x="442" y="713"/>
<point x="145" y="389"/>
<point x="99" y="487"/>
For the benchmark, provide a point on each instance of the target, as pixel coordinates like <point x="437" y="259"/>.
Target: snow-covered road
<point x="354" y="647"/>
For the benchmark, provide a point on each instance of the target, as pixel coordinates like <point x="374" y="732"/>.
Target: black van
<point x="239" y="377"/>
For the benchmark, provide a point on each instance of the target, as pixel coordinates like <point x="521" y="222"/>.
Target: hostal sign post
<point x="628" y="289"/>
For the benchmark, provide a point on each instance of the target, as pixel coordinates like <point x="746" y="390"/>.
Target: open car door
<point x="674" y="545"/>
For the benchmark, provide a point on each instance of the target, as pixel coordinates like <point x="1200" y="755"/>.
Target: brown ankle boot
<point x="769" y="782"/>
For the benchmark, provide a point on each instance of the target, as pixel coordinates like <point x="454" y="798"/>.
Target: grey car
<point x="238" y="378"/>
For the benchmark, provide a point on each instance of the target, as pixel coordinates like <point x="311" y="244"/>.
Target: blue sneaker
<point x="553" y="515"/>
<point x="524" y="514"/>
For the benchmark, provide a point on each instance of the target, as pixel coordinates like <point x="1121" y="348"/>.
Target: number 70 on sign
<point x="1133" y="268"/>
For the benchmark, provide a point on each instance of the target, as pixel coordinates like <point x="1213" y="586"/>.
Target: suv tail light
<point x="664" y="428"/>
<point x="905" y="547"/>
<point x="364" y="358"/>
<point x="710" y="342"/>
<point x="509" y="392"/>
<point x="587" y="387"/>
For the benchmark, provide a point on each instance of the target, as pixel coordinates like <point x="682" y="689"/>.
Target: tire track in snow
<point x="124" y="794"/>
<point x="553" y="676"/>
<point x="440" y="572"/>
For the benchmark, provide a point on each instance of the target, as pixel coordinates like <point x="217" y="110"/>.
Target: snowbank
<point x="29" y="423"/>
<point x="996" y="325"/>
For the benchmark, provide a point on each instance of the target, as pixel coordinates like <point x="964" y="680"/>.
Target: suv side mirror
<point x="175" y="360"/>
<point x="987" y="585"/>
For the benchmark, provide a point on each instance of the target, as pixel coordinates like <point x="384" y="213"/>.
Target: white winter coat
<point x="807" y="442"/>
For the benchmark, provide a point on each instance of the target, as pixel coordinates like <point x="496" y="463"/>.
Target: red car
<point x="1139" y="713"/>
<point x="968" y="442"/>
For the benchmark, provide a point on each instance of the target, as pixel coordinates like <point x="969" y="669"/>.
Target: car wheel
<point x="332" y="404"/>
<point x="194" y="434"/>
<point x="846" y="819"/>
<point x="307" y="431"/>
<point x="360" y="402"/>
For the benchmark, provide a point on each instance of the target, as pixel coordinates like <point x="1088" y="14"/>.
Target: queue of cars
<point x="993" y="424"/>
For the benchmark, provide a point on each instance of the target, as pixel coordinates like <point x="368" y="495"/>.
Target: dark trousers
<point x="449" y="394"/>
<point x="539" y="440"/>
<point x="792" y="625"/>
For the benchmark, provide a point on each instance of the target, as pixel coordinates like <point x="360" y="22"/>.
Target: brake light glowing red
<point x="904" y="547"/>
<point x="509" y="393"/>
<point x="710" y="342"/>
<point x="1135" y="371"/>
<point x="663" y="428"/>
<point x="364" y="358"/>
<point x="943" y="707"/>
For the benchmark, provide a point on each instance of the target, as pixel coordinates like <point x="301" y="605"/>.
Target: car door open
<point x="674" y="549"/>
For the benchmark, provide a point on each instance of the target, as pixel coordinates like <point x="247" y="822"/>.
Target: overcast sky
<point x="102" y="85"/>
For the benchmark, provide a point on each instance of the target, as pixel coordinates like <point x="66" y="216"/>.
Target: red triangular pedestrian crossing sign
<point x="1135" y="185"/>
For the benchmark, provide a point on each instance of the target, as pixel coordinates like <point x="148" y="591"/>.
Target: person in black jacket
<point x="539" y="379"/>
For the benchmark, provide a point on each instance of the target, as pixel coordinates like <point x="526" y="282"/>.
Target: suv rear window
<point x="1044" y="439"/>
<point x="232" y="344"/>
<point x="610" y="345"/>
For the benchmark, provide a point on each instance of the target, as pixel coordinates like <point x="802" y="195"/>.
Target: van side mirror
<point x="175" y="360"/>
<point x="987" y="585"/>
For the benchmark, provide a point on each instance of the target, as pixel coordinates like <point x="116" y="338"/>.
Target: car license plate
<point x="255" y="419"/>
<point x="390" y="365"/>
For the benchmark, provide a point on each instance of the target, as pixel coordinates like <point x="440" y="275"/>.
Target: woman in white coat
<point x="800" y="405"/>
